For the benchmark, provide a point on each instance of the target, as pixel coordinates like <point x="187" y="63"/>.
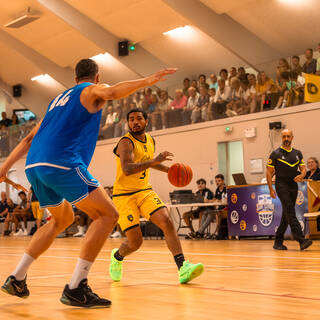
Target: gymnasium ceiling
<point x="218" y="36"/>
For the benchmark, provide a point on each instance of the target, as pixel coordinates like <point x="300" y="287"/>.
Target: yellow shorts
<point x="131" y="207"/>
<point x="36" y="210"/>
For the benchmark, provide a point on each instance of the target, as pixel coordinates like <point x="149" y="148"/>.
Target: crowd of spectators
<point x="12" y="131"/>
<point x="228" y="94"/>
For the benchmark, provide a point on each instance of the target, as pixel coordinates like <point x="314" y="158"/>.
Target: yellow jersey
<point x="142" y="151"/>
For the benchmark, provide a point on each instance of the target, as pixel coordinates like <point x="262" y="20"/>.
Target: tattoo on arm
<point x="125" y="151"/>
<point x="161" y="167"/>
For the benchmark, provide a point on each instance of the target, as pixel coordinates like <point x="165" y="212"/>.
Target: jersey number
<point x="143" y="175"/>
<point x="60" y="100"/>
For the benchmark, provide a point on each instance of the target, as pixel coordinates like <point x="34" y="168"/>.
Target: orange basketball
<point x="180" y="175"/>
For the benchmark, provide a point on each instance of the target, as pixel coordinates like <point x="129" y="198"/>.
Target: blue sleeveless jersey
<point x="68" y="133"/>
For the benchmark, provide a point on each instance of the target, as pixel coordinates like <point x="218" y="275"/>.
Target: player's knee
<point x="136" y="243"/>
<point x="166" y="224"/>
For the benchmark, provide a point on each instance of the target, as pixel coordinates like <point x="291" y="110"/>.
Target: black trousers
<point x="287" y="193"/>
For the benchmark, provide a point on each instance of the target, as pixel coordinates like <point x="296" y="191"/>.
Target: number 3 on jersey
<point x="60" y="100"/>
<point x="143" y="175"/>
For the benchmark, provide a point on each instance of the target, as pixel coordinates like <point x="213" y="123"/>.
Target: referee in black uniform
<point x="284" y="162"/>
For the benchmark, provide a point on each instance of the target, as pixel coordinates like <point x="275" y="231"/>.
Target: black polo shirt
<point x="218" y="195"/>
<point x="315" y="176"/>
<point x="3" y="206"/>
<point x="286" y="163"/>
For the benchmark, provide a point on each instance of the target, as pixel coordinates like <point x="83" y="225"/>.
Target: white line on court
<point x="170" y="264"/>
<point x="192" y="253"/>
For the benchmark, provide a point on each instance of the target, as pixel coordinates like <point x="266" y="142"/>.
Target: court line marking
<point x="170" y="264"/>
<point x="191" y="253"/>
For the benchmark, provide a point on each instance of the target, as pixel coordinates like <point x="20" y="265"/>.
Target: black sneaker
<point x="190" y="236"/>
<point x="279" y="246"/>
<point x="306" y="243"/>
<point x="83" y="297"/>
<point x="16" y="288"/>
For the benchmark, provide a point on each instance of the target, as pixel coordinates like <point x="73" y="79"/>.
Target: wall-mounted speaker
<point x="123" y="48"/>
<point x="17" y="90"/>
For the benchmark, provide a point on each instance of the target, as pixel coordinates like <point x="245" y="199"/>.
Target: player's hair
<point x="22" y="192"/>
<point x="201" y="180"/>
<point x="137" y="110"/>
<point x="86" y="69"/>
<point x="219" y="176"/>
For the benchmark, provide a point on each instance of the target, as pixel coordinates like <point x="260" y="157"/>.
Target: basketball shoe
<point x="189" y="271"/>
<point x="115" y="268"/>
<point x="15" y="287"/>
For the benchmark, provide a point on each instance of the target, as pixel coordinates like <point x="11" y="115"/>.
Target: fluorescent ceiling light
<point x="177" y="31"/>
<point x="41" y="77"/>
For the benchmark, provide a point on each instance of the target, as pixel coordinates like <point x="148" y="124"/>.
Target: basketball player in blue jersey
<point x="60" y="149"/>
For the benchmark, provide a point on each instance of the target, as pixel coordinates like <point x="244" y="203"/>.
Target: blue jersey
<point x="68" y="133"/>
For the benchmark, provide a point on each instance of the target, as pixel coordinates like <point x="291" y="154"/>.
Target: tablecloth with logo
<point x="252" y="212"/>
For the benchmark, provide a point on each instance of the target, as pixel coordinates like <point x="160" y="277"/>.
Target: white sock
<point x="22" y="267"/>
<point x="80" y="272"/>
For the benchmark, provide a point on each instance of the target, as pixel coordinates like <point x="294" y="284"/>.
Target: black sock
<point x="179" y="259"/>
<point x="118" y="256"/>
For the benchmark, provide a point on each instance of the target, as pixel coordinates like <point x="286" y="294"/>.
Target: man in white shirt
<point x="222" y="97"/>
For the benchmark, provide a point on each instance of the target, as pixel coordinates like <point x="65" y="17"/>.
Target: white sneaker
<point x="80" y="233"/>
<point x="19" y="233"/>
<point x="116" y="234"/>
<point x="25" y="232"/>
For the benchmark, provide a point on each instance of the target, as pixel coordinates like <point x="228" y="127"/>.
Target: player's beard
<point x="138" y="133"/>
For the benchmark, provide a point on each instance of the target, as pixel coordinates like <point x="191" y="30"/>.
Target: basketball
<point x="180" y="175"/>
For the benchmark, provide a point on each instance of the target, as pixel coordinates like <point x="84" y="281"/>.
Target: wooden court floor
<point x="243" y="279"/>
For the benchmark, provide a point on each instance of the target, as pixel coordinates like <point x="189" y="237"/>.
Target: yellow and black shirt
<point x="286" y="163"/>
<point x="142" y="151"/>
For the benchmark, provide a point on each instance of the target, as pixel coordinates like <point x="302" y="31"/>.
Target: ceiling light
<point x="41" y="77"/>
<point x="177" y="31"/>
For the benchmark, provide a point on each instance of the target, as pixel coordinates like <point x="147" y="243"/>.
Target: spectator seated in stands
<point x="224" y="76"/>
<point x="147" y="94"/>
<point x="295" y="65"/>
<point x="35" y="207"/>
<point x="212" y="94"/>
<point x="137" y="99"/>
<point x="200" y="112"/>
<point x="154" y="112"/>
<point x="310" y="66"/>
<point x="119" y="121"/>
<point x="221" y="99"/>
<point x="203" y="81"/>
<point x="177" y="106"/>
<point x="238" y="104"/>
<point x="313" y="172"/>
<point x="242" y="75"/>
<point x="251" y="93"/>
<point x="108" y="129"/>
<point x="186" y="86"/>
<point x="10" y="219"/>
<point x="214" y="82"/>
<point x="82" y="222"/>
<point x="194" y="83"/>
<point x="3" y="206"/>
<point x="21" y="214"/>
<point x="284" y="86"/>
<point x="5" y="121"/>
<point x="191" y="105"/>
<point x="214" y="213"/>
<point x="164" y="105"/>
<point x="283" y="66"/>
<point x="232" y="73"/>
<point x="188" y="216"/>
<point x="267" y="92"/>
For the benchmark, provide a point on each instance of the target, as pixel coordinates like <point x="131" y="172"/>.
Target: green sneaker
<point x="190" y="271"/>
<point x="115" y="267"/>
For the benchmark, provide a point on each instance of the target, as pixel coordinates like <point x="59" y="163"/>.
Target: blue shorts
<point x="53" y="185"/>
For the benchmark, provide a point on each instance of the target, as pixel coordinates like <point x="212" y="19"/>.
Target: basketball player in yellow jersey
<point x="133" y="196"/>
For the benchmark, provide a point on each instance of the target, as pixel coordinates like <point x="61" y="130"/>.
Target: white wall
<point x="197" y="145"/>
